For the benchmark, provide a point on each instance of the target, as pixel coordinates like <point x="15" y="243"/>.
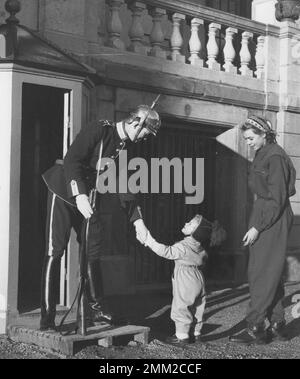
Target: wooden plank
<point x="103" y="335"/>
<point x="123" y="330"/>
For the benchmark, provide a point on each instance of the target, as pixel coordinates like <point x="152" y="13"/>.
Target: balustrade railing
<point x="186" y="32"/>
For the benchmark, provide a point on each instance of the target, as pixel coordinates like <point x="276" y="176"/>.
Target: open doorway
<point x="42" y="142"/>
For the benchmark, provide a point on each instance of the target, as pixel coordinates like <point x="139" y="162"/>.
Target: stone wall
<point x="28" y="16"/>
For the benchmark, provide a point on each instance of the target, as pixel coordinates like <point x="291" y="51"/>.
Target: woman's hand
<point x="250" y="237"/>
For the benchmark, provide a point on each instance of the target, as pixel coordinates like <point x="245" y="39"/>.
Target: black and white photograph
<point x="150" y="182"/>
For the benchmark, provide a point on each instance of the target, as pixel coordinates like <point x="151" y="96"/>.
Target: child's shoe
<point x="197" y="338"/>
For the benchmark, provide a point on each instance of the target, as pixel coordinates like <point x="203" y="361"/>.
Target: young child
<point x="187" y="280"/>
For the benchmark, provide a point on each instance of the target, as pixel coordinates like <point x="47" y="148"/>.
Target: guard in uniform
<point x="272" y="180"/>
<point x="69" y="183"/>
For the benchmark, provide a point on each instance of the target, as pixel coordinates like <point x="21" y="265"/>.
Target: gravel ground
<point x="223" y="317"/>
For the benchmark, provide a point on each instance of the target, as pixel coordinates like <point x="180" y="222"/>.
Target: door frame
<point x="18" y="76"/>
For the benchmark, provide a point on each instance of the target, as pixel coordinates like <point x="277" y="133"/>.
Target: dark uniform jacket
<point x="77" y="174"/>
<point x="272" y="179"/>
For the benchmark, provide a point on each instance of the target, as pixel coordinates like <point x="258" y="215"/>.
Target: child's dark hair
<point x="218" y="234"/>
<point x="209" y="232"/>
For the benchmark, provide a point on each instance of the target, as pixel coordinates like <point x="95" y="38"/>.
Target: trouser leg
<point x="266" y="264"/>
<point x="96" y="245"/>
<point x="58" y="227"/>
<point x="275" y="312"/>
<point x="50" y="275"/>
<point x="200" y="304"/>
<point x="187" y="287"/>
<point x="95" y="295"/>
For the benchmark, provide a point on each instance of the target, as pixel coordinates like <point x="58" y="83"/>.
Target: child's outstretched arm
<point x="176" y="251"/>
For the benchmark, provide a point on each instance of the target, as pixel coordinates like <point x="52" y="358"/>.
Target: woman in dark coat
<point x="272" y="181"/>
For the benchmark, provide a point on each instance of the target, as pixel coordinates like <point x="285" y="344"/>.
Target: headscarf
<point x="261" y="124"/>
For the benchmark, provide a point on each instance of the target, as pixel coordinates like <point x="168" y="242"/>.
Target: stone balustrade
<point x="187" y="32"/>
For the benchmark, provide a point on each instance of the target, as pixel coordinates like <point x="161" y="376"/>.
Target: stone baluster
<point x="195" y="43"/>
<point x="176" y="38"/>
<point x="229" y="52"/>
<point x="212" y="47"/>
<point x="260" y="57"/>
<point x="114" y="25"/>
<point x="136" y="31"/>
<point x="245" y="54"/>
<point x="157" y="35"/>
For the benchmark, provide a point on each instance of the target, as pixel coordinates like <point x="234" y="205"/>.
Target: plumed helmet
<point x="149" y="118"/>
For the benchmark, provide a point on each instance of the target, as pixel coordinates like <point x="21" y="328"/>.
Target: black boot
<point x="97" y="306"/>
<point x="252" y="335"/>
<point x="277" y="331"/>
<point x="48" y="293"/>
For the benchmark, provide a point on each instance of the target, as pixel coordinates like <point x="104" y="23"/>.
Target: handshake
<point x="142" y="233"/>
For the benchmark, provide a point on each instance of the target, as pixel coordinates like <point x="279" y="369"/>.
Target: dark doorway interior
<point x="42" y="143"/>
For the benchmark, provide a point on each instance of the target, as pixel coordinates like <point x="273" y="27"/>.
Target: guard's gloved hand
<point x="84" y="206"/>
<point x="141" y="231"/>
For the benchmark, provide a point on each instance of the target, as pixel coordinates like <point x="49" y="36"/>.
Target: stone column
<point x="212" y="47"/>
<point x="245" y="54"/>
<point x="260" y="57"/>
<point x="157" y="35"/>
<point x="176" y="38"/>
<point x="114" y="24"/>
<point x="229" y="52"/>
<point x="195" y="43"/>
<point x="136" y="31"/>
